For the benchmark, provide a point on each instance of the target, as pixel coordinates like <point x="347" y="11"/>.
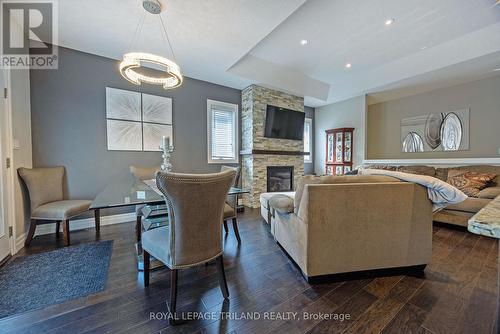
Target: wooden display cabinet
<point x="339" y="144"/>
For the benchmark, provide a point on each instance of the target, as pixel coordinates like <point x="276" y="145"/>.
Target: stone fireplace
<point x="258" y="152"/>
<point x="279" y="178"/>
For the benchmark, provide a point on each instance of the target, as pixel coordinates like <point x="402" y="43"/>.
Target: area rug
<point x="39" y="280"/>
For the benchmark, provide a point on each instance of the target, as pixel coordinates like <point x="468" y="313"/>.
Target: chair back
<point x="144" y="173"/>
<point x="44" y="185"/>
<point x="195" y="205"/>
<point x="232" y="200"/>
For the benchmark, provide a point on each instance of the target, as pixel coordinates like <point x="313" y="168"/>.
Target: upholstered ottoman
<point x="264" y="203"/>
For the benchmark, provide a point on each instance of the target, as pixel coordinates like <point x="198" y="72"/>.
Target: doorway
<point x="5" y="242"/>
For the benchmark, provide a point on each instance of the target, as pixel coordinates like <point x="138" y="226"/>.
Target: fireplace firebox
<point x="279" y="178"/>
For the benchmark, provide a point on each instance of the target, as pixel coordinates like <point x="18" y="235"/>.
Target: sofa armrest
<point x="281" y="203"/>
<point x="489" y="193"/>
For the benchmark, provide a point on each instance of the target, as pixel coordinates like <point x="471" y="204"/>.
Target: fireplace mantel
<point x="272" y="152"/>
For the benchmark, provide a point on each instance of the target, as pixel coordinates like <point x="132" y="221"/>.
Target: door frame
<point x="8" y="182"/>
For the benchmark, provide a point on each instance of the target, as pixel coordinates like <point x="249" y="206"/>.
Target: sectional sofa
<point x="339" y="225"/>
<point x="457" y="214"/>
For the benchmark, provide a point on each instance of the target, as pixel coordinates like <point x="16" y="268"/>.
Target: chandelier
<point x="130" y="66"/>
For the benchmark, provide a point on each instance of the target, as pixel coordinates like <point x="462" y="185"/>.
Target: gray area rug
<point x="39" y="280"/>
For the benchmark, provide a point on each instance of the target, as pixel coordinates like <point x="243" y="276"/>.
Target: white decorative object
<point x="156" y="109"/>
<point x="446" y="131"/>
<point x="137" y="122"/>
<point x="123" y="104"/>
<point x="153" y="134"/>
<point x="167" y="150"/>
<point x="124" y="135"/>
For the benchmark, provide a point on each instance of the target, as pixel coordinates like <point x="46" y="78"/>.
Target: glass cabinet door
<point x="338" y="170"/>
<point x="330" y="146"/>
<point x="338" y="147"/>
<point x="329" y="170"/>
<point x="347" y="148"/>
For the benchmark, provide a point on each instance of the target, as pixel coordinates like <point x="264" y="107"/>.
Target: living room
<point x="256" y="166"/>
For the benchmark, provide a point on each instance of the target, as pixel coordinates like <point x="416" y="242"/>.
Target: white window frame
<point x="309" y="158"/>
<point x="235" y="109"/>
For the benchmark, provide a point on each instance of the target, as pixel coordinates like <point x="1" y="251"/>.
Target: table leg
<point x="138" y="228"/>
<point x="97" y="218"/>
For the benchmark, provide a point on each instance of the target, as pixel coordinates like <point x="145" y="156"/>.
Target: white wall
<point x="21" y="133"/>
<point x="348" y="113"/>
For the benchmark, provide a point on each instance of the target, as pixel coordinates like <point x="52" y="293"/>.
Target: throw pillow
<point x="470" y="183"/>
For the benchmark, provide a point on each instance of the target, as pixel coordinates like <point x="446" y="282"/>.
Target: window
<point x="308" y="140"/>
<point x="222" y="134"/>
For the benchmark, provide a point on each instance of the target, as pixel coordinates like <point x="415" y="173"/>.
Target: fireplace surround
<point x="259" y="152"/>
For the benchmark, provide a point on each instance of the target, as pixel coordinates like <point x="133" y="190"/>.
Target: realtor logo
<point x="28" y="34"/>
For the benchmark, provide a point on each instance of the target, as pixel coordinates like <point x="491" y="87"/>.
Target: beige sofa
<point x="457" y="214"/>
<point x="344" y="224"/>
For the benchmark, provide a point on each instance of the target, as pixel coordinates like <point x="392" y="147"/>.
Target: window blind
<point x="223" y="126"/>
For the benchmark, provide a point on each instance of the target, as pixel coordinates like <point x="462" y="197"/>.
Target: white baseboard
<point x="435" y="162"/>
<point x="78" y="224"/>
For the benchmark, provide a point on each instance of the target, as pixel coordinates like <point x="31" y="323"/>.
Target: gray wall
<point x="483" y="99"/>
<point x="309" y="167"/>
<point x="69" y="128"/>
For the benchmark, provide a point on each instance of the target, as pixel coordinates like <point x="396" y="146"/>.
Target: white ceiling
<point x="239" y="42"/>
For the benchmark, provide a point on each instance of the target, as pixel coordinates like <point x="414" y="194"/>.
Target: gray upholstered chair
<point x="142" y="173"/>
<point x="230" y="211"/>
<point x="47" y="203"/>
<point x="195" y="205"/>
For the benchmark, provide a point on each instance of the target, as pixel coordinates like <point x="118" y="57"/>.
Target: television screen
<point x="284" y="123"/>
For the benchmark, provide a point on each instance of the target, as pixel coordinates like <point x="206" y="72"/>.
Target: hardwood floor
<point x="457" y="294"/>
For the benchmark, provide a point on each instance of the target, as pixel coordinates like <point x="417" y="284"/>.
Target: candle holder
<point x="166" y="166"/>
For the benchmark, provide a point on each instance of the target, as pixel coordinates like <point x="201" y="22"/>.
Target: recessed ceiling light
<point x="304" y="42"/>
<point x="423" y="48"/>
<point x="348" y="65"/>
<point x="388" y="22"/>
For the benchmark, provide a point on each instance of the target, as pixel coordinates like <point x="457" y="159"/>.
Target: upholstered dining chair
<point x="230" y="211"/>
<point x="47" y="203"/>
<point x="195" y="204"/>
<point x="141" y="173"/>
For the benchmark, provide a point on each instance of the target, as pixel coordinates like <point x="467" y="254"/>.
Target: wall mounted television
<point x="284" y="123"/>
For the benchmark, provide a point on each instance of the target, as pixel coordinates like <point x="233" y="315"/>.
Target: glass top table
<point x="131" y="191"/>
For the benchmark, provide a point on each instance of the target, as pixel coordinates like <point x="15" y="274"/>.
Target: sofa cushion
<point x="442" y="173"/>
<point x="281" y="203"/>
<point x="489" y="192"/>
<point x="385" y="167"/>
<point x="471" y="204"/>
<point x="420" y="170"/>
<point x="332" y="179"/>
<point x="469" y="182"/>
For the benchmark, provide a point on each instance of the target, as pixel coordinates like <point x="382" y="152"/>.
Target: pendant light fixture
<point x="170" y="77"/>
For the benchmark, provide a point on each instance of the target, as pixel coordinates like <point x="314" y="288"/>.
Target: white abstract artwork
<point x="446" y="131"/>
<point x="137" y="122"/>
<point x="123" y="104"/>
<point x="156" y="109"/>
<point x="153" y="134"/>
<point x="124" y="135"/>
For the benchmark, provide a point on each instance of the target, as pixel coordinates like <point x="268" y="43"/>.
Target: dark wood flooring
<point x="457" y="294"/>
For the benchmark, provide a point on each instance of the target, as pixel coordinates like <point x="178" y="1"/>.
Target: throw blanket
<point x="440" y="193"/>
